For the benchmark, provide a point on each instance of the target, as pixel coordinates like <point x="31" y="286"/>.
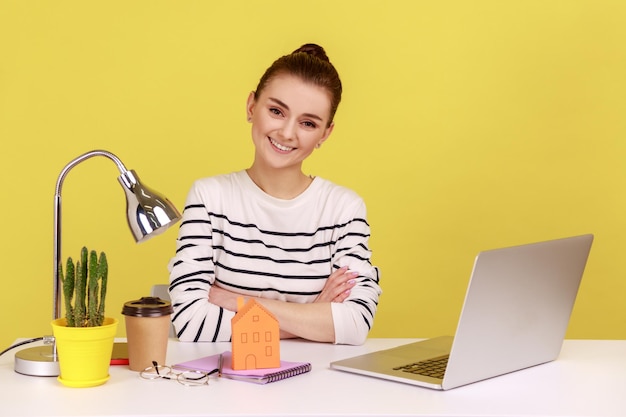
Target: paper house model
<point x="255" y="337"/>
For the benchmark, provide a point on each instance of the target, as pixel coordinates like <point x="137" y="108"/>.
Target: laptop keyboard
<point x="434" y="367"/>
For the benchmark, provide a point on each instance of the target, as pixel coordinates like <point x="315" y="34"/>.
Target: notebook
<point x="515" y="314"/>
<point x="259" y="376"/>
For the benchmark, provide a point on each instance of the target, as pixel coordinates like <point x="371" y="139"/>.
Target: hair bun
<point x="314" y="50"/>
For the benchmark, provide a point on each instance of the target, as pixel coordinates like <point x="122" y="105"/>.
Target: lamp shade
<point x="149" y="213"/>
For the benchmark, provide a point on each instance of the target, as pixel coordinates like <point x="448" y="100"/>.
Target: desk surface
<point x="588" y="379"/>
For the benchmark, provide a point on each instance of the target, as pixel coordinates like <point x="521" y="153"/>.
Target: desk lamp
<point x="149" y="213"/>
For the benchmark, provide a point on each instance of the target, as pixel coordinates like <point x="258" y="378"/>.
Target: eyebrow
<point x="280" y="103"/>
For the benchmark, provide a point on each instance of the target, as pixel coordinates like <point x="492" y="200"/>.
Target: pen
<point x="219" y="365"/>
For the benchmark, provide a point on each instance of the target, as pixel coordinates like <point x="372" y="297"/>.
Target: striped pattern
<point x="234" y="235"/>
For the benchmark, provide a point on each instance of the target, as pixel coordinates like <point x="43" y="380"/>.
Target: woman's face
<point x="289" y="119"/>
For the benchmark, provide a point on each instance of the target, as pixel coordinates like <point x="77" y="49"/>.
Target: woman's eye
<point x="309" y="124"/>
<point x="275" y="111"/>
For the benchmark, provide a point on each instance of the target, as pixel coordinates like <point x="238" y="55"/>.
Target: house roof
<point x="248" y="307"/>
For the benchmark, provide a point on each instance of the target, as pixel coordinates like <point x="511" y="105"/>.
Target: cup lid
<point x="147" y="307"/>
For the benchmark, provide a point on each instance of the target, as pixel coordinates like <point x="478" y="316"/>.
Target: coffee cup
<point x="148" y="322"/>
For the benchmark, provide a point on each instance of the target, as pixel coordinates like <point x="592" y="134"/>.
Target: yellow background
<point x="465" y="125"/>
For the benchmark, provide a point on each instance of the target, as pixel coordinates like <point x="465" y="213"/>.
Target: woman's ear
<point x="327" y="133"/>
<point x="250" y="105"/>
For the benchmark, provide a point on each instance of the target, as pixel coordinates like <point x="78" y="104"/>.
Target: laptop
<point x="516" y="311"/>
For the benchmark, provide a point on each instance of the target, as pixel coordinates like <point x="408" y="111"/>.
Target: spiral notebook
<point x="258" y="376"/>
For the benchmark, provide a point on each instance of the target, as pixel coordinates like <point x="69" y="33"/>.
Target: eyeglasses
<point x="185" y="377"/>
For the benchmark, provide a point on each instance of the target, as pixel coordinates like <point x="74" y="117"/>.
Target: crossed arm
<point x="312" y="321"/>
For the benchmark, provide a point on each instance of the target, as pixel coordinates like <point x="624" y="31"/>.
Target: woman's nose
<point x="288" y="129"/>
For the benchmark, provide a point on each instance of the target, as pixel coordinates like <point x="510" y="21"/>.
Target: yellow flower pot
<point x="84" y="352"/>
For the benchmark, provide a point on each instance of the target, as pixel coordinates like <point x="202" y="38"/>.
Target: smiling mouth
<point x="280" y="147"/>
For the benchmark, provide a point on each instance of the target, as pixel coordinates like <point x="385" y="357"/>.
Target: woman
<point x="295" y="243"/>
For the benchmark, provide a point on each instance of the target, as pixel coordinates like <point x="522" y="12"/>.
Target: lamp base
<point x="37" y="361"/>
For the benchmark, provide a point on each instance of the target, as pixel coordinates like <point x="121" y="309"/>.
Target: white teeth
<point x="279" y="146"/>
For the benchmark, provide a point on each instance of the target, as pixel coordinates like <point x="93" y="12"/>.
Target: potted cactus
<point x="86" y="285"/>
<point x="84" y="337"/>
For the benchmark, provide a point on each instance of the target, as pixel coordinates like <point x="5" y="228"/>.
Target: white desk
<point x="588" y="379"/>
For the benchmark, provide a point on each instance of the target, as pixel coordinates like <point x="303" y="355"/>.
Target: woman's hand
<point x="338" y="286"/>
<point x="223" y="298"/>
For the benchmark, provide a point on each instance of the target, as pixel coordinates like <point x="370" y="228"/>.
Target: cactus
<point x="86" y="285"/>
<point x="80" y="288"/>
<point x="103" y="273"/>
<point x="68" y="290"/>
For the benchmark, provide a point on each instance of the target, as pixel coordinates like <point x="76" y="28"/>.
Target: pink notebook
<point x="258" y="376"/>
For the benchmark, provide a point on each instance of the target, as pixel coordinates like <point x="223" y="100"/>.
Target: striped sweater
<point x="235" y="235"/>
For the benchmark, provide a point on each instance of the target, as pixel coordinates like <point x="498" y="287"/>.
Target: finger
<point x="339" y="281"/>
<point x="341" y="297"/>
<point x="345" y="290"/>
<point x="346" y="282"/>
<point x="338" y="273"/>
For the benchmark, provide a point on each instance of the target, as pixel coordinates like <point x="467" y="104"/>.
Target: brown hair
<point x="311" y="64"/>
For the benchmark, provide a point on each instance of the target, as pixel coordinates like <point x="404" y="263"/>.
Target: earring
<point x="249" y="118"/>
<point x="319" y="145"/>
